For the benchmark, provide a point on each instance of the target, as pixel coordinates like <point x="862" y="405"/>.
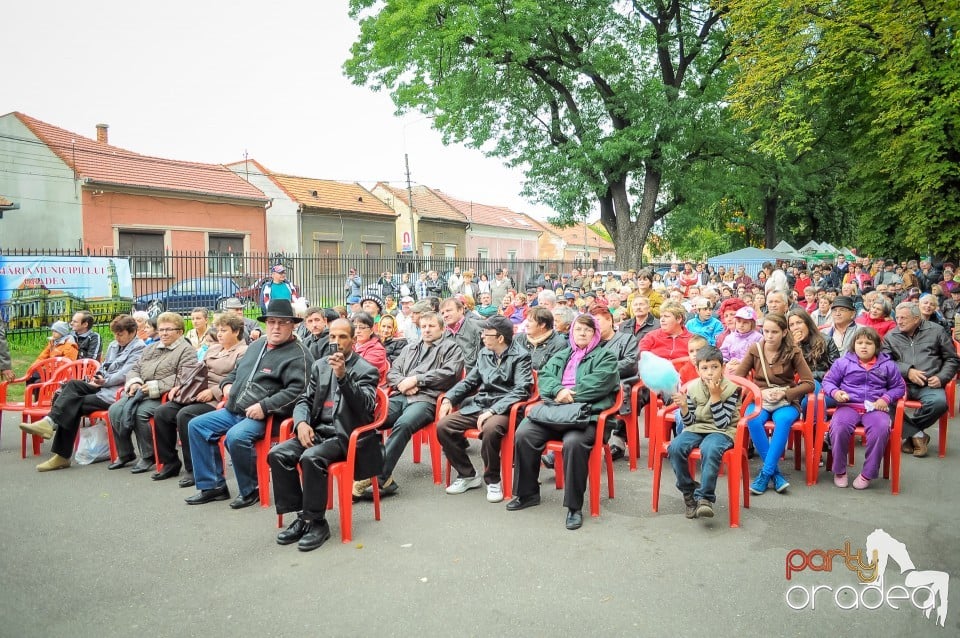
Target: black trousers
<point x="77" y="399"/>
<point x="171" y="419"/>
<point x="530" y="441"/>
<point x="311" y="496"/>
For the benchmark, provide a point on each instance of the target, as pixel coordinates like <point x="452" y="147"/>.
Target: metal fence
<point x="179" y="281"/>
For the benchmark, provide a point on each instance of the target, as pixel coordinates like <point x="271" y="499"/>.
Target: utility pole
<point x="413" y="222"/>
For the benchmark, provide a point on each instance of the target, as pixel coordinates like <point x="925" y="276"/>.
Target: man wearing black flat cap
<point x="268" y="381"/>
<point x="844" y="313"/>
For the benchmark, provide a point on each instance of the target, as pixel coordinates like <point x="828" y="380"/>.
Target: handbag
<point x="561" y="416"/>
<point x="770" y="406"/>
<point x="193" y="381"/>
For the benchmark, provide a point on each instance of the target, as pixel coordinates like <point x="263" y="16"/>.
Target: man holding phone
<point x="340" y="397"/>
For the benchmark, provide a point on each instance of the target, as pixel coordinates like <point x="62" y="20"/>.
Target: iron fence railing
<point x="181" y="280"/>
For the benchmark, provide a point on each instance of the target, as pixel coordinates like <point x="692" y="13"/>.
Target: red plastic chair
<point x="651" y="409"/>
<point x="341" y="475"/>
<point x="44" y="368"/>
<point x="37" y="408"/>
<point x="734" y="460"/>
<point x="951" y="391"/>
<point x="891" y="455"/>
<point x="599" y="453"/>
<point x="260" y="449"/>
<point x="506" y="447"/>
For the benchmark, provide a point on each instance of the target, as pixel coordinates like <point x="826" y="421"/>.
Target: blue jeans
<point x="933" y="404"/>
<point x="241" y="433"/>
<point x="770" y="450"/>
<point x="712" y="446"/>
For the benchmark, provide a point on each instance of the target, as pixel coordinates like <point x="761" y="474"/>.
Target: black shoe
<point x="187" y="481"/>
<point x="574" y="519"/>
<point x="245" y="501"/>
<point x="617" y="452"/>
<point x="518" y="503"/>
<point x="142" y="467"/>
<point x="548" y="460"/>
<point x="122" y="462"/>
<point x="317" y="535"/>
<point x="169" y="471"/>
<point x="294" y="532"/>
<point x="690" y="506"/>
<point x="205" y="496"/>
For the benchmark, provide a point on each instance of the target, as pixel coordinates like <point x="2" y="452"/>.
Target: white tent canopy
<point x="751" y="259"/>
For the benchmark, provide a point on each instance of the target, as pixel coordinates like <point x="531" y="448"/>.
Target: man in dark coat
<point x="340" y="397"/>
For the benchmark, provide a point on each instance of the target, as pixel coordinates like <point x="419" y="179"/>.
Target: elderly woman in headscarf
<point x="583" y="376"/>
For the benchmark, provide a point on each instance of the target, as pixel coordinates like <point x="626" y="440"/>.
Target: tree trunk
<point x="770" y="219"/>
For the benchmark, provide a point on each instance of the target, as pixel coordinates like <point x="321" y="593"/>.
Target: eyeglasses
<point x="165" y="330"/>
<point x="492" y="335"/>
<point x="278" y="322"/>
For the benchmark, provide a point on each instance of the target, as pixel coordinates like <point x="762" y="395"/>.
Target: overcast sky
<point x="209" y="81"/>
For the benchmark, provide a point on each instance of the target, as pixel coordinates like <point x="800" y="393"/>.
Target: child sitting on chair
<point x="708" y="411"/>
<point x="865" y="383"/>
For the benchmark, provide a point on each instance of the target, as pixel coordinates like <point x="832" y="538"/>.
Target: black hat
<point x="843" y="302"/>
<point x="532" y="290"/>
<point x="280" y="309"/>
<point x="590" y="293"/>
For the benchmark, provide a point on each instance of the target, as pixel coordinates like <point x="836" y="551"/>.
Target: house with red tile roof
<point x="576" y="243"/>
<point x="496" y="232"/>
<point x="441" y="230"/>
<point x="322" y="217"/>
<point x="82" y="193"/>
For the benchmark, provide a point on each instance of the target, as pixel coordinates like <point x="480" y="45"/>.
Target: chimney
<point x="102" y="133"/>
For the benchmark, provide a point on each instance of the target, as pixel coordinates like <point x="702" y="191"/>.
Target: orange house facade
<point x="84" y="194"/>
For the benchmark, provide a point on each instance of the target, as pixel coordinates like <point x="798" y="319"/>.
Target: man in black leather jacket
<point x="340" y="397"/>
<point x="502" y="377"/>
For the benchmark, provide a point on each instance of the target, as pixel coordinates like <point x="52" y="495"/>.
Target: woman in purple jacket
<point x="865" y="384"/>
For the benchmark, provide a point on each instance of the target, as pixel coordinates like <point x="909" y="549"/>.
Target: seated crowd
<point x="864" y="334"/>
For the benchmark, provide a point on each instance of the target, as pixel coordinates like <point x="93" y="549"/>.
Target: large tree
<point x="603" y="104"/>
<point x="885" y="74"/>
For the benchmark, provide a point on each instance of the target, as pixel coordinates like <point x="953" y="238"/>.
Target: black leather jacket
<point x="499" y="382"/>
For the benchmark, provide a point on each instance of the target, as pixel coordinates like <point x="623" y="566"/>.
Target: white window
<point x="427" y="250"/>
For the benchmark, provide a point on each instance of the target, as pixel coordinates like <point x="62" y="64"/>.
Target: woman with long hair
<point x="774" y="363"/>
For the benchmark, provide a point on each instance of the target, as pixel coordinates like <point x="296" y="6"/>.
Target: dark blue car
<point x="184" y="296"/>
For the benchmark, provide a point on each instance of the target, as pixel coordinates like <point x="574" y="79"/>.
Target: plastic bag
<point x="94" y="445"/>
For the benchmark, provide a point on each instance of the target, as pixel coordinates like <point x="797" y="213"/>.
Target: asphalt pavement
<point x="91" y="552"/>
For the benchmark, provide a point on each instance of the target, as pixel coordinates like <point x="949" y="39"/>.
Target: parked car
<point x="184" y="296"/>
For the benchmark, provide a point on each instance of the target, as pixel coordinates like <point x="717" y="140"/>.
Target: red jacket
<point x="802" y="282"/>
<point x="661" y="344"/>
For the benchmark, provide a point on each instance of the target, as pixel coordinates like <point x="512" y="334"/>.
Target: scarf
<point x="569" y="378"/>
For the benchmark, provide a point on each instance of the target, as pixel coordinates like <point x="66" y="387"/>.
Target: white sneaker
<point x="495" y="492"/>
<point x="462" y="484"/>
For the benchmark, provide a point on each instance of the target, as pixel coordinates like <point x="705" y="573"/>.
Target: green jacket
<point x="597" y="378"/>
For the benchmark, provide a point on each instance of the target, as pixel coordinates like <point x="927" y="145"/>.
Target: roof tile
<point x="332" y="195"/>
<point x="107" y="164"/>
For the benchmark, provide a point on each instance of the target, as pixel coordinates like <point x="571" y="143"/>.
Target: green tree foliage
<point x="884" y="76"/>
<point x="599" y="102"/>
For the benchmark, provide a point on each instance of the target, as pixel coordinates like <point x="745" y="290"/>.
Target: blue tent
<point x="750" y="258"/>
